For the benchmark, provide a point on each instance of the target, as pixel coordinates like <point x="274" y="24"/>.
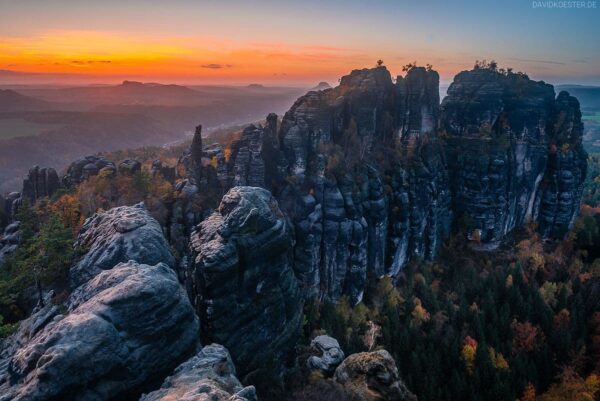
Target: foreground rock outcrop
<point x="243" y="284"/>
<point x="119" y="235"/>
<point x="328" y="354"/>
<point x="372" y="376"/>
<point x="209" y="375"/>
<point x="122" y="329"/>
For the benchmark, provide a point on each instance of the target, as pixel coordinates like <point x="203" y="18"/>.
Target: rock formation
<point x="328" y="354"/>
<point x="515" y="152"/>
<point x="372" y="376"/>
<point x="209" y="375"/>
<point x="130" y="166"/>
<point x="82" y="169"/>
<point x="119" y="235"/>
<point x="360" y="174"/>
<point x="124" y="327"/>
<point x="367" y="183"/>
<point x="244" y="287"/>
<point x="40" y="183"/>
<point x="168" y="173"/>
<point x="562" y="185"/>
<point x="10" y="204"/>
<point x="9" y="240"/>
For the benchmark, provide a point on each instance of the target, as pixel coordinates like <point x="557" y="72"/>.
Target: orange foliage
<point x="528" y="393"/>
<point x="526" y="337"/>
<point x="68" y="208"/>
<point x="562" y="318"/>
<point x="572" y="387"/>
<point x="594" y="326"/>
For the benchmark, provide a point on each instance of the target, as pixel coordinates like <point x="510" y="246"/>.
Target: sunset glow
<point x="206" y="42"/>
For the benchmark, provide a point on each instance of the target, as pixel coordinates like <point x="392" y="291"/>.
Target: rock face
<point x="10" y="204"/>
<point x="360" y="174"/>
<point x="124" y="327"/>
<point x="244" y="287"/>
<point x="9" y="240"/>
<point x="368" y="185"/>
<point x="372" y="376"/>
<point x="562" y="185"/>
<point x="82" y="169"/>
<point x="209" y="375"/>
<point x="119" y="235"/>
<point x="39" y="183"/>
<point x="328" y="354"/>
<point x="515" y="153"/>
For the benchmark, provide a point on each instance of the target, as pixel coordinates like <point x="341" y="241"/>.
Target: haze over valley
<point x="317" y="200"/>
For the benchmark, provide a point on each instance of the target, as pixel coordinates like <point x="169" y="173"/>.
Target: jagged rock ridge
<point x="367" y="182"/>
<point x="349" y="209"/>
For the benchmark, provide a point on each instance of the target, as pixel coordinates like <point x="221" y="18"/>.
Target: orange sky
<point x="288" y="42"/>
<point x="106" y="55"/>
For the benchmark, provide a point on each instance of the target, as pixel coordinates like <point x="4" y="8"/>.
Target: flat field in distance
<point x="18" y="127"/>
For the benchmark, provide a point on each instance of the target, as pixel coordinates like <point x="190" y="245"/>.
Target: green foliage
<point x="6" y="329"/>
<point x="472" y="328"/>
<point x="591" y="186"/>
<point x="42" y="259"/>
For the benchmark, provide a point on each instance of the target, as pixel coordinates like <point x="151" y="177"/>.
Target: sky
<point x="284" y="42"/>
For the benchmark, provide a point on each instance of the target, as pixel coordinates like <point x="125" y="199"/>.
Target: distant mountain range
<point x="11" y="101"/>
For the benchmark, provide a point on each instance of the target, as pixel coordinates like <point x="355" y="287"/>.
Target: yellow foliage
<point x="419" y="313"/>
<point x="498" y="360"/>
<point x="468" y="353"/>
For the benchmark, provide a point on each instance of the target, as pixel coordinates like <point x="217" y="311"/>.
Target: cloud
<point x="90" y="62"/>
<point x="216" y="66"/>
<point x="525" y="60"/>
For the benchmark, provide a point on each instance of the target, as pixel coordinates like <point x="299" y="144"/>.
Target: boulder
<point x="209" y="375"/>
<point x="124" y="327"/>
<point x="130" y="167"/>
<point x="167" y="172"/>
<point x="119" y="235"/>
<point x="327" y="354"/>
<point x="85" y="167"/>
<point x="372" y="376"/>
<point x="243" y="284"/>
